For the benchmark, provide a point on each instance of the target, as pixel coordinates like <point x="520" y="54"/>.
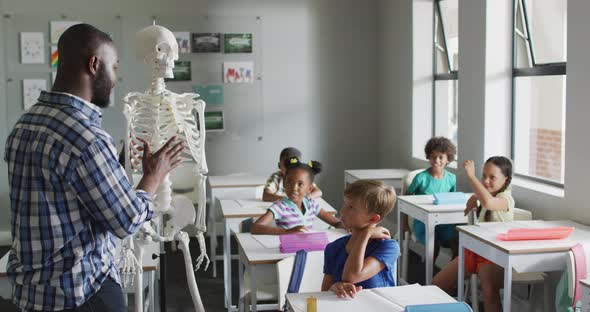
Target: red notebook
<point x="536" y="234"/>
<point x="307" y="241"/>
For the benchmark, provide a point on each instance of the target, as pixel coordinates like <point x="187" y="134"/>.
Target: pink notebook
<point x="536" y="234"/>
<point x="307" y="241"/>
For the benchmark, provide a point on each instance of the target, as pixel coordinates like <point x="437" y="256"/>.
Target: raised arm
<point x="483" y="195"/>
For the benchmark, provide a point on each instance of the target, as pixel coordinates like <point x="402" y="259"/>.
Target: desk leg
<point x="213" y="232"/>
<point x="253" y="289"/>
<point x="227" y="263"/>
<point x="461" y="274"/>
<point x="241" y="298"/>
<point x="507" y="286"/>
<point x="429" y="249"/>
<point x="152" y="295"/>
<point x="400" y="237"/>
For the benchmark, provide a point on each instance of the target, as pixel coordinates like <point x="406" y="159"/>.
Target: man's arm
<point x="103" y="188"/>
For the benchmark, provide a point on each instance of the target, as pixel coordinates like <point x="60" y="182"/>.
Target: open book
<point x="393" y="299"/>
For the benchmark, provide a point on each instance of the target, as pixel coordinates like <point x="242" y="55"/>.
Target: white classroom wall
<point x="319" y="81"/>
<point x="350" y="88"/>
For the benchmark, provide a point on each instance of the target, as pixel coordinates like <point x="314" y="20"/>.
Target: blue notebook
<point x="439" y="307"/>
<point x="451" y="198"/>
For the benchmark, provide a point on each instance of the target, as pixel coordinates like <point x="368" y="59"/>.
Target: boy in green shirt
<point x="439" y="151"/>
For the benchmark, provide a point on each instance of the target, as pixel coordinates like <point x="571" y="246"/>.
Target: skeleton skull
<point x="157" y="46"/>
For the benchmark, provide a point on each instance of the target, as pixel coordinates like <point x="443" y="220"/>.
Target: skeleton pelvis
<point x="182" y="213"/>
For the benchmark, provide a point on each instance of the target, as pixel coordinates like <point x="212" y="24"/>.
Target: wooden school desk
<point x="263" y="249"/>
<point x="236" y="210"/>
<point x="229" y="186"/>
<point x="421" y="207"/>
<point x="393" y="299"/>
<point x="522" y="256"/>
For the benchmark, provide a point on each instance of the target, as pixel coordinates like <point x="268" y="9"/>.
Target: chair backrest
<point x="522" y="215"/>
<point x="407" y="180"/>
<point x="312" y="275"/>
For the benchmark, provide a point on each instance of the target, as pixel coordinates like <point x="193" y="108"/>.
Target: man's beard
<point x="101" y="90"/>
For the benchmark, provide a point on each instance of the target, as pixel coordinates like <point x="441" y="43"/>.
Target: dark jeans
<point x="109" y="298"/>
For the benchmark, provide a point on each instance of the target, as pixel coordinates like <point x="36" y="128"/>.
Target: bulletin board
<point x="16" y="72"/>
<point x="242" y="102"/>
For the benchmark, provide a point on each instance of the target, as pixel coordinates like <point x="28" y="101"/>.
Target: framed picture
<point x="238" y="72"/>
<point x="237" y="43"/>
<point x="206" y="42"/>
<point x="184" y="41"/>
<point x="182" y="71"/>
<point x="32" y="48"/>
<point x="214" y="121"/>
<point x="54" y="57"/>
<point x="211" y="94"/>
<point x="31" y="90"/>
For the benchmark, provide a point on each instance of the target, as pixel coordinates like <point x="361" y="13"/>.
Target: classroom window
<point x="446" y="56"/>
<point x="539" y="86"/>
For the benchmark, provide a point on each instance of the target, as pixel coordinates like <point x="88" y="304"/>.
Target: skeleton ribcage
<point x="156" y="119"/>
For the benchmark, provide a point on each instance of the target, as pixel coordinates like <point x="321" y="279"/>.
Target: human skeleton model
<point x="156" y="116"/>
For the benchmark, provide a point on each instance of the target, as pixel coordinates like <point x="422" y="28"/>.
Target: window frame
<point x="436" y="48"/>
<point x="535" y="69"/>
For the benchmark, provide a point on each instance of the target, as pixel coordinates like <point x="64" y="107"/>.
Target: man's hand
<point x="157" y="165"/>
<point x="345" y="290"/>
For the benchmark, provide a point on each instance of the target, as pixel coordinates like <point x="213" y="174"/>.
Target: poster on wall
<point x="32" y="48"/>
<point x="181" y="71"/>
<point x="238" y="72"/>
<point x="54" y="57"/>
<point x="58" y="27"/>
<point x="184" y="41"/>
<point x="214" y="121"/>
<point x="31" y="90"/>
<point x="206" y="42"/>
<point x="237" y="43"/>
<point x="212" y="94"/>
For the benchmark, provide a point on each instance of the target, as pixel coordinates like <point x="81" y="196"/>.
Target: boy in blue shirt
<point x="436" y="179"/>
<point x="367" y="257"/>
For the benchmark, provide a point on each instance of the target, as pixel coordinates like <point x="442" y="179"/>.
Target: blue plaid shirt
<point x="69" y="198"/>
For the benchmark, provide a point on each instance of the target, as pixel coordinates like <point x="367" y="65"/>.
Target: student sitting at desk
<point x="273" y="190"/>
<point x="436" y="179"/>
<point x="295" y="212"/>
<point x="366" y="258"/>
<point x="496" y="205"/>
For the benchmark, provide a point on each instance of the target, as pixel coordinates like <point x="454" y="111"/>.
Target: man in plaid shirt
<point x="70" y="197"/>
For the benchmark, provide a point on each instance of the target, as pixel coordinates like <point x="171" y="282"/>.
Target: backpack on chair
<point x="568" y="293"/>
